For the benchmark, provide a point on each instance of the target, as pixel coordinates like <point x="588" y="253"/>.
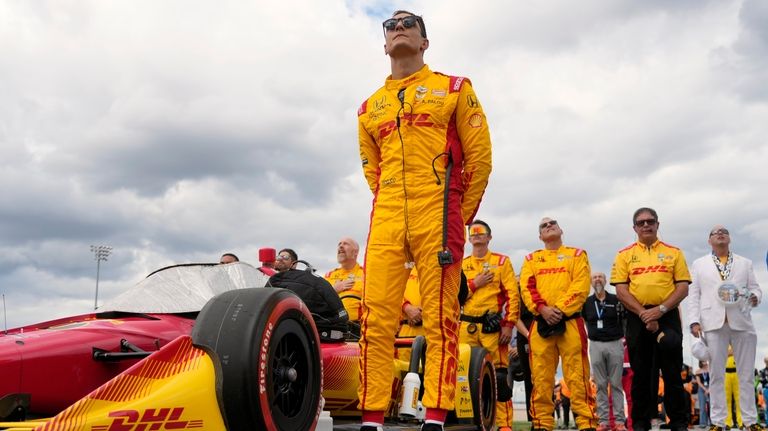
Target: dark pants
<point x="647" y="359"/>
<point x="522" y="350"/>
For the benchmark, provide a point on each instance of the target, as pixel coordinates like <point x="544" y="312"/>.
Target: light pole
<point x="100" y="252"/>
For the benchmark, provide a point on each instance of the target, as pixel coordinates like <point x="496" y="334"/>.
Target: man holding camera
<point x="554" y="284"/>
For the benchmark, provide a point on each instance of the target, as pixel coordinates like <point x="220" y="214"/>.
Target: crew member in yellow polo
<point x="347" y="279"/>
<point x="651" y="278"/>
<point x="493" y="297"/>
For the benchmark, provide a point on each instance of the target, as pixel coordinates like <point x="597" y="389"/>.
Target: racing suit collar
<point x="397" y="84"/>
<point x="483" y="258"/>
<point x="645" y="247"/>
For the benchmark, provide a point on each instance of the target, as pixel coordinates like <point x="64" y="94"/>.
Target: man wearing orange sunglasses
<point x="491" y="311"/>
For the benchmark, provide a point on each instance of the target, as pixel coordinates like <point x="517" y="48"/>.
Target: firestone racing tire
<point x="267" y="355"/>
<point x="482" y="386"/>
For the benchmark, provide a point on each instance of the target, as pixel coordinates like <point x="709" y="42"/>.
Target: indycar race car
<point x="48" y="366"/>
<point x="255" y="360"/>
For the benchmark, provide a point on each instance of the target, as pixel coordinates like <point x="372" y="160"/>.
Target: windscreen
<point x="185" y="288"/>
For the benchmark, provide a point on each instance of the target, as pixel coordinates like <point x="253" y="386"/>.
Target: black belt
<point x="406" y="322"/>
<point x="472" y="319"/>
<point x="730" y="370"/>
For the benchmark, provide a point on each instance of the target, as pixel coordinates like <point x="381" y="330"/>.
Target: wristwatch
<point x="663" y="309"/>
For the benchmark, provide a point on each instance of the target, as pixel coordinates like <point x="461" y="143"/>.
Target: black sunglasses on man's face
<point x="408" y="22"/>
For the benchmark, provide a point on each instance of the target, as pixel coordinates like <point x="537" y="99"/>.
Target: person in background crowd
<point x="411" y="320"/>
<point x="558" y="405"/>
<point x="702" y="380"/>
<point x="523" y="349"/>
<point x="347" y="279"/>
<point x="604" y="314"/>
<point x="732" y="398"/>
<point x="228" y="258"/>
<point x="726" y="326"/>
<point x="763" y="375"/>
<point x="626" y="383"/>
<point x="651" y="278"/>
<point x="565" y="403"/>
<point x="687" y="377"/>
<point x="285" y="260"/>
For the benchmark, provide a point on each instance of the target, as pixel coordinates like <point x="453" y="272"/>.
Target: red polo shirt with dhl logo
<point x="651" y="272"/>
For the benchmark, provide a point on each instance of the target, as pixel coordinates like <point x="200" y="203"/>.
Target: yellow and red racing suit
<point x="499" y="296"/>
<point x="411" y="131"/>
<point x="349" y="297"/>
<point x="558" y="278"/>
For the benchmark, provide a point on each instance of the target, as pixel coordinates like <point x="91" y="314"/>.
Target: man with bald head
<point x="720" y="275"/>
<point x="554" y="284"/>
<point x="604" y="315"/>
<point x="347" y="280"/>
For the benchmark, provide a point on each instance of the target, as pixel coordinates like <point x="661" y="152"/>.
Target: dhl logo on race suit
<point x="545" y="271"/>
<point x="649" y="269"/>
<point x="151" y="420"/>
<point x="409" y="119"/>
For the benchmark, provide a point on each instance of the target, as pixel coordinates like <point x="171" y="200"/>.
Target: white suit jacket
<point x="705" y="308"/>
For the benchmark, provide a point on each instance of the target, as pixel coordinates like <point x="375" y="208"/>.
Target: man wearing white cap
<point x="722" y="292"/>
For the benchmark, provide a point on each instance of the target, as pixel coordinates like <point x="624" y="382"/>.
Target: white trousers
<point x="744" y="348"/>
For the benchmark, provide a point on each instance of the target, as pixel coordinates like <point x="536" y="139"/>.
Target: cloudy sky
<point x="174" y="131"/>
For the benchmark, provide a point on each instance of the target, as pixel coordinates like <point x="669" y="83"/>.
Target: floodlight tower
<point x="100" y="252"/>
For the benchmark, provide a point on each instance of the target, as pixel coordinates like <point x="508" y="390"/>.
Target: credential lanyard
<point x="599" y="310"/>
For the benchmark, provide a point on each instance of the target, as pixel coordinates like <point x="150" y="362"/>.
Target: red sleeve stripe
<point x="363" y="108"/>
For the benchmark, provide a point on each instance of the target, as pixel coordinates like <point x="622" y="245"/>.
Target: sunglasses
<point x="281" y="257"/>
<point x="719" y="232"/>
<point x="408" y="22"/>
<point x="547" y="224"/>
<point x="645" y="222"/>
<point x="477" y="230"/>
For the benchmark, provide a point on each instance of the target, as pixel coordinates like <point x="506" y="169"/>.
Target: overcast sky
<point x="176" y="130"/>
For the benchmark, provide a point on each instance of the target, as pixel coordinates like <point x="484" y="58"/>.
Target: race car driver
<point x="426" y="154"/>
<point x="491" y="311"/>
<point x="554" y="284"/>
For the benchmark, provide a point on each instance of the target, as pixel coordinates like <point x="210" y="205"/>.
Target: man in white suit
<point x="722" y="323"/>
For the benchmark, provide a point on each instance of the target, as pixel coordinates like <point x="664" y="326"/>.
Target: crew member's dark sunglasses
<point x="719" y="232"/>
<point x="646" y="222"/>
<point x="408" y="22"/>
<point x="547" y="224"/>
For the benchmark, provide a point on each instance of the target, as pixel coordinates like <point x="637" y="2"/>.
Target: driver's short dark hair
<point x="290" y="252"/>
<point x="419" y="19"/>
